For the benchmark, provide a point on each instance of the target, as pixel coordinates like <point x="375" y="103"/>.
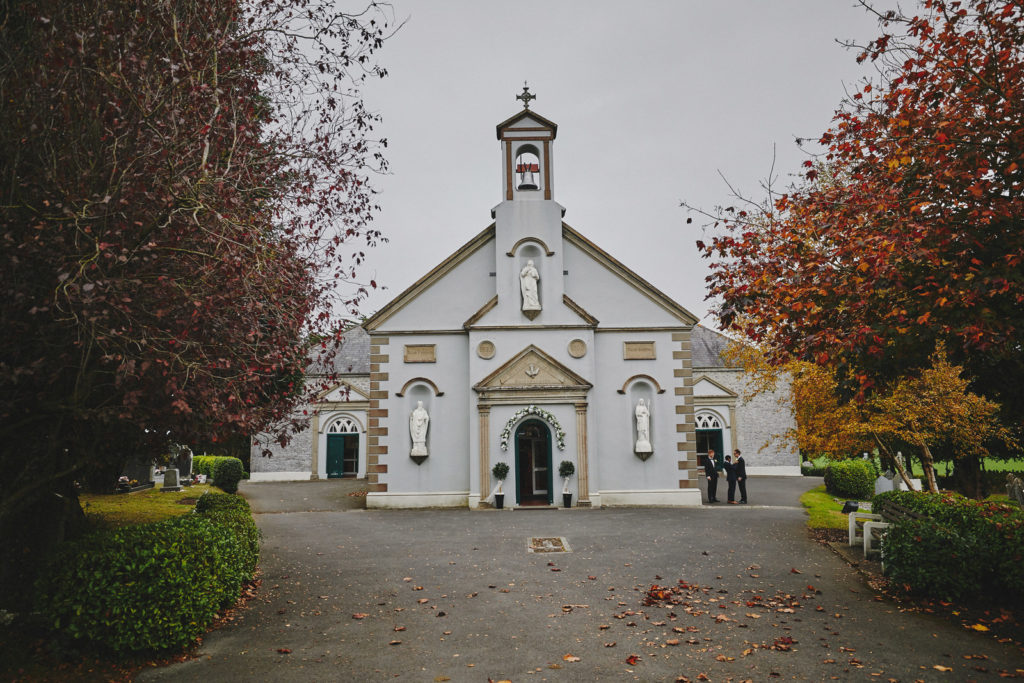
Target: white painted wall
<point x="613" y="421"/>
<point x="607" y="297"/>
<point x="447" y="303"/>
<point x="447" y="437"/>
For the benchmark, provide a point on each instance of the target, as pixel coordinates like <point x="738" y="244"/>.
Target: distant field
<point x="945" y="469"/>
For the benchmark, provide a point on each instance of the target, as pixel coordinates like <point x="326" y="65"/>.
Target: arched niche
<point x="642" y="389"/>
<point x="645" y="378"/>
<point x="535" y="240"/>
<point x="530" y="256"/>
<point x="419" y="380"/>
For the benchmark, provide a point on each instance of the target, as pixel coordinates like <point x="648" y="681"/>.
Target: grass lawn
<point x="151" y="505"/>
<point x="823" y="511"/>
<point x="944" y="469"/>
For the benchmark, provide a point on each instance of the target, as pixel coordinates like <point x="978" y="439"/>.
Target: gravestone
<point x="171" y="481"/>
<point x="884" y="483"/>
<point x="182" y="460"/>
<point x="1015" y="489"/>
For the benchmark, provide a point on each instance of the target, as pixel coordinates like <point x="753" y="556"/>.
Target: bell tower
<point x="526" y="140"/>
<point x="528" y="222"/>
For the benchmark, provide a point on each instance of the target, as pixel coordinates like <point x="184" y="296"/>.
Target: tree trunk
<point x="928" y="463"/>
<point x="895" y="462"/>
<point x="29" y="538"/>
<point x="968" y="478"/>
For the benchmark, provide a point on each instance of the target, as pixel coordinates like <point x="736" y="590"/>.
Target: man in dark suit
<point x="740" y="467"/>
<point x="712" y="475"/>
<point x="730" y="476"/>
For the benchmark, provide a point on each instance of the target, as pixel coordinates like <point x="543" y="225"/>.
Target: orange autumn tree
<point x="917" y="237"/>
<point x="936" y="407"/>
<point x="826" y="424"/>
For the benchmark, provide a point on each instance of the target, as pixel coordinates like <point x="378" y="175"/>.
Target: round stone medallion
<point x="577" y="348"/>
<point x="485" y="350"/>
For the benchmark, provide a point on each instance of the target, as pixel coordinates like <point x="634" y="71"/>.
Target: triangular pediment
<point x="705" y="386"/>
<point x="527" y="120"/>
<point x="343" y="392"/>
<point x="531" y="368"/>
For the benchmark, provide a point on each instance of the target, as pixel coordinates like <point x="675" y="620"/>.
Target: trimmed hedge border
<point x="854" y="478"/>
<point x="151" y="587"/>
<point x="963" y="549"/>
<point x="225" y="471"/>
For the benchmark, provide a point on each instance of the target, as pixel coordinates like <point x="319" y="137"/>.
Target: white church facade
<point x="531" y="346"/>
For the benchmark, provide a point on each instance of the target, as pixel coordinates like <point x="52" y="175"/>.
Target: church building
<point x="530" y="345"/>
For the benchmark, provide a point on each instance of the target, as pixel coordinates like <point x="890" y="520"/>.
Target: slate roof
<point x="707" y="347"/>
<point x="352" y="358"/>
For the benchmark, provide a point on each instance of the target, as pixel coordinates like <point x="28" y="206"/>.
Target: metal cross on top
<point x="525" y="96"/>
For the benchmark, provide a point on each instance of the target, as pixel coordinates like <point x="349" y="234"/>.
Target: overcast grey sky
<point x="652" y="100"/>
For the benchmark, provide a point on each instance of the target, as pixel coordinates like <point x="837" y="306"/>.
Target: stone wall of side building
<point x="760" y="424"/>
<point x="293" y="461"/>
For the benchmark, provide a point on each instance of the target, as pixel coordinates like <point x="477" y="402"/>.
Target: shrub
<point x="932" y="559"/>
<point x="227" y="472"/>
<point x="500" y="471"/>
<point x="964" y="548"/>
<point x="809" y="468"/>
<point x="851" y="478"/>
<point x="203" y="464"/>
<point x="152" y="586"/>
<point x="566" y="469"/>
<point x="213" y="501"/>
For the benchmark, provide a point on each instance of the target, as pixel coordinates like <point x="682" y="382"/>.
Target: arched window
<point x="709" y="435"/>
<point x="527" y="168"/>
<point x="343" y="425"/>
<point x="708" y="421"/>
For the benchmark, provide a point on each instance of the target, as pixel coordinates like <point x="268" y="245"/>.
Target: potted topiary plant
<point x="500" y="471"/>
<point x="565" y="470"/>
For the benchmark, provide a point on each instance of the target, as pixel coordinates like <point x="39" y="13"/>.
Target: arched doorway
<point x="533" y="463"/>
<point x="709" y="435"/>
<point x="342" y="448"/>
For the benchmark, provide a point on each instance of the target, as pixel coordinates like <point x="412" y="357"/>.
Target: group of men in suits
<point x="735" y="473"/>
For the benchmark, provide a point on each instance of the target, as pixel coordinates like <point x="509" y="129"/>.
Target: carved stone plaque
<point x="638" y="350"/>
<point x="420" y="353"/>
<point x="485" y="350"/>
<point x="577" y="348"/>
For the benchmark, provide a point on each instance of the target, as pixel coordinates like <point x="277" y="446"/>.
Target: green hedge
<point x="809" y="468"/>
<point x="225" y="471"/>
<point x="153" y="586"/>
<point x="962" y="549"/>
<point x="203" y="464"/>
<point x="854" y="478"/>
<point x="221" y="501"/>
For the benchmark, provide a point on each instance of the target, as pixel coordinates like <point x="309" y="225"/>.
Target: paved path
<point x="462" y="599"/>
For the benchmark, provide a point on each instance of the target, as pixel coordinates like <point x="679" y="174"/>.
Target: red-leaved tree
<point x="181" y="186"/>
<point x="908" y="232"/>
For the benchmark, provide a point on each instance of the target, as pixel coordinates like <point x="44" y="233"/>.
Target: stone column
<point x="315" y="462"/>
<point x="484" y="415"/>
<point x="581" y="454"/>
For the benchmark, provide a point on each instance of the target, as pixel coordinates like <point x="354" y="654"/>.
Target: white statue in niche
<point x="528" y="278"/>
<point x="419" y="420"/>
<point x="643" y="428"/>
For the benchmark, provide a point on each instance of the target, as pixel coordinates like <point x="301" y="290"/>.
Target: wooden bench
<point x="890" y="513"/>
<point x="856" y="525"/>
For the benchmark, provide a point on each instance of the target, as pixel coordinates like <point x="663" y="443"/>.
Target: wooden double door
<point x="342" y="455"/>
<point x="533" y="464"/>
